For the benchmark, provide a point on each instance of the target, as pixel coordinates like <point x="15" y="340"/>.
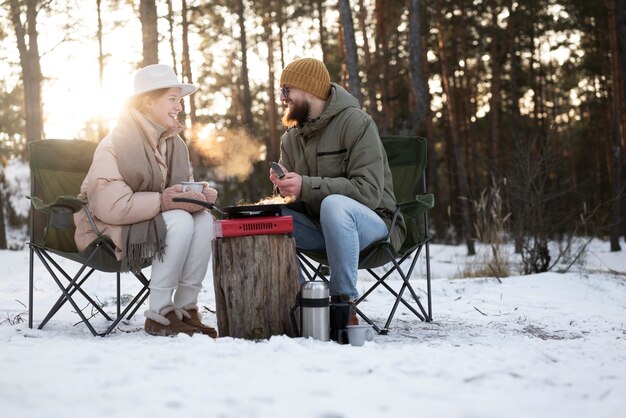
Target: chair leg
<point x="31" y="265"/>
<point x="69" y="298"/>
<point x="119" y="293"/>
<point x="59" y="303"/>
<point x="406" y="284"/>
<point x="426" y="316"/>
<point x="369" y="321"/>
<point x="422" y="314"/>
<point x="381" y="281"/>
<point x="142" y="298"/>
<point x="69" y="290"/>
<point x="75" y="285"/>
<point x="316" y="271"/>
<point x="131" y="306"/>
<point x="428" y="290"/>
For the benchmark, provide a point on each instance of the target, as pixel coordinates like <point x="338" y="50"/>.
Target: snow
<point x="15" y="187"/>
<point x="17" y="178"/>
<point x="544" y="345"/>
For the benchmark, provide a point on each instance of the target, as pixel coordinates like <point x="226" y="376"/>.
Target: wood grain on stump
<point x="256" y="282"/>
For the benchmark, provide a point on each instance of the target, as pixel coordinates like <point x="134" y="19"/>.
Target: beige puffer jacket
<point x="111" y="201"/>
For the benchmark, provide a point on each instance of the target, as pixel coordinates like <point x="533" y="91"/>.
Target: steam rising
<point x="230" y="153"/>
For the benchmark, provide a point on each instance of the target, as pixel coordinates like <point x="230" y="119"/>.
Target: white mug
<point x="192" y="186"/>
<point x="357" y="334"/>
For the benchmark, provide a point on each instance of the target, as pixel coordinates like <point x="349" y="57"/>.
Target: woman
<point x="136" y="172"/>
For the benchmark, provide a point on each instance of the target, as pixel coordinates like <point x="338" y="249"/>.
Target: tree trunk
<point x="617" y="131"/>
<point x="187" y="76"/>
<point x="170" y="23"/>
<point x="149" y="32"/>
<point x="498" y="55"/>
<point x="319" y="5"/>
<point x="247" y="97"/>
<point x="514" y="131"/>
<point x="280" y="18"/>
<point x="620" y="26"/>
<point x="352" y="60"/>
<point x="427" y="127"/>
<point x="454" y="143"/>
<point x="274" y="145"/>
<point x="186" y="63"/>
<point x="342" y="53"/>
<point x="382" y="64"/>
<point x="101" y="130"/>
<point x="31" y="68"/>
<point x="415" y="66"/>
<point x="370" y="70"/>
<point x="3" y="232"/>
<point x="256" y="282"/>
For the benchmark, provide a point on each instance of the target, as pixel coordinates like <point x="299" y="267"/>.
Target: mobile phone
<point x="279" y="171"/>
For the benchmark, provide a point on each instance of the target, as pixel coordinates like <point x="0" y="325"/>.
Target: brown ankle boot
<point x="166" y="324"/>
<point x="354" y="320"/>
<point x="192" y="317"/>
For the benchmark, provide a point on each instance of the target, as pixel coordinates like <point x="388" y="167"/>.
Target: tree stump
<point x="256" y="282"/>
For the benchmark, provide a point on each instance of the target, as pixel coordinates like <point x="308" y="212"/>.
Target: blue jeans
<point x="345" y="228"/>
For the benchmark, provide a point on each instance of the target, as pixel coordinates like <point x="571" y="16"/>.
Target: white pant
<point x="185" y="262"/>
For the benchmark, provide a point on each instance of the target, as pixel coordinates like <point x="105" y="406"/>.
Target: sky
<point x="543" y="346"/>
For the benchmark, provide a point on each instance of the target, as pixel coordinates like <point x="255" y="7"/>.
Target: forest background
<point x="523" y="103"/>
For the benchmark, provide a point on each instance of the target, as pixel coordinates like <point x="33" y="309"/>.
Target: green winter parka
<point x="341" y="153"/>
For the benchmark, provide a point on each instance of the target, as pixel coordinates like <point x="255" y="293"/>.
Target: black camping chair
<point x="407" y="160"/>
<point x="58" y="168"/>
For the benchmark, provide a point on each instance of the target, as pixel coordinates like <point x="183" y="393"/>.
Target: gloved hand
<point x="177" y="191"/>
<point x="209" y="193"/>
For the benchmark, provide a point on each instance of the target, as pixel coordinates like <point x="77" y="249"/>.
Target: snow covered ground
<point x="546" y="345"/>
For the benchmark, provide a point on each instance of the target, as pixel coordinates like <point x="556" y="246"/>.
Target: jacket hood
<point x="337" y="102"/>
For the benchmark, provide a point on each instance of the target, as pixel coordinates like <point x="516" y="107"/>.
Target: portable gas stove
<point x="262" y="225"/>
<point x="246" y="220"/>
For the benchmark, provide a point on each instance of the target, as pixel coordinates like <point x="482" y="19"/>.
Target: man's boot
<point x="352" y="319"/>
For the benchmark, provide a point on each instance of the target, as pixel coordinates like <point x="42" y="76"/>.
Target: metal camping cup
<point x="192" y="186"/>
<point x="339" y="318"/>
<point x="358" y="334"/>
<point x="313" y="301"/>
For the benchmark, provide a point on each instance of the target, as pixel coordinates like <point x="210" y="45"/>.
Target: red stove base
<point x="263" y="225"/>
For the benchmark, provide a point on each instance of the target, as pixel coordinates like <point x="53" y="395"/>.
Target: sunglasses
<point x="284" y="90"/>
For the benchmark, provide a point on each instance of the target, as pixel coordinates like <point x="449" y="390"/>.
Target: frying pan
<point x="242" y="211"/>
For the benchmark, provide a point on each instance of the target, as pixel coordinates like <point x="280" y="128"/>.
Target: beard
<point x="296" y="114"/>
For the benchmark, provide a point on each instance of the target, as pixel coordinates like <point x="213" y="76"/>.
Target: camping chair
<point x="407" y="160"/>
<point x="58" y="168"/>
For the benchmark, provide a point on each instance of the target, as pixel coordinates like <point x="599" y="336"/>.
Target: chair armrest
<point x="412" y="208"/>
<point x="60" y="211"/>
<point x="418" y="206"/>
<point x="70" y="202"/>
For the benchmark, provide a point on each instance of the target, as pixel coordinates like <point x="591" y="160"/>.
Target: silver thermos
<point x="313" y="301"/>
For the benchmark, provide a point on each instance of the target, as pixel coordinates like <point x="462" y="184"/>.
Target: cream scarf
<point x="137" y="162"/>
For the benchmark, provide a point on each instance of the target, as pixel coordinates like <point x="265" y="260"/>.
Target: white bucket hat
<point x="159" y="76"/>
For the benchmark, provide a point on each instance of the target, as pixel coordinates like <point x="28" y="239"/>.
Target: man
<point x="336" y="167"/>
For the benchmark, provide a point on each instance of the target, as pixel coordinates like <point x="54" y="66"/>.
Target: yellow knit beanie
<point x="307" y="74"/>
